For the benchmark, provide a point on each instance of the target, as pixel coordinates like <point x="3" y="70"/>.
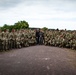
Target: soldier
<point x="14" y="38"/>
<point x="46" y="40"/>
<point x="32" y="40"/>
<point x="18" y="39"/>
<point x="11" y="40"/>
<point x="41" y="37"/>
<point x="74" y="44"/>
<point x="1" y="40"/>
<point x="37" y="35"/>
<point x="26" y="38"/>
<point x="7" y="39"/>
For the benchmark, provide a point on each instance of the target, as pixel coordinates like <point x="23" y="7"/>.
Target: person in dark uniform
<point x="41" y="37"/>
<point x="37" y="35"/>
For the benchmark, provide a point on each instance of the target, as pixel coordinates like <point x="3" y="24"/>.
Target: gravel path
<point x="38" y="60"/>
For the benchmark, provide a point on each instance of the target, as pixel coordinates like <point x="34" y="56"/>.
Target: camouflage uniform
<point x="18" y="40"/>
<point x="7" y="39"/>
<point x="11" y="40"/>
<point x="1" y="41"/>
<point x="26" y="40"/>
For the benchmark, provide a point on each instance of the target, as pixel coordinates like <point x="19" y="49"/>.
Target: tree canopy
<point x="19" y="25"/>
<point x="45" y="28"/>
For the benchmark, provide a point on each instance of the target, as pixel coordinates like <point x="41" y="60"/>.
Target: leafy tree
<point x="18" y="25"/>
<point x="45" y="28"/>
<point x="5" y="27"/>
<point x="21" y="25"/>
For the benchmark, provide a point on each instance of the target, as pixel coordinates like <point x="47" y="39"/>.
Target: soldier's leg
<point x="0" y="45"/>
<point x="14" y="44"/>
<point x="27" y="43"/>
<point x="7" y="46"/>
<point x="11" y="44"/>
<point x="4" y="45"/>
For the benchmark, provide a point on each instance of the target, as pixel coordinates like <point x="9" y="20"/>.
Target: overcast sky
<point x="39" y="13"/>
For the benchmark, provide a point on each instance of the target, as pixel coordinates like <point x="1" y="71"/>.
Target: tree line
<point x="19" y="25"/>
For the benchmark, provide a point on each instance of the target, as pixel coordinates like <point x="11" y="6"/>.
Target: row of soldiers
<point x="61" y="38"/>
<point x="16" y="39"/>
<point x="27" y="37"/>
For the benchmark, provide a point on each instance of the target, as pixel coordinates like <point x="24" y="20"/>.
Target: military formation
<point x="16" y="39"/>
<point x="27" y="37"/>
<point x="61" y="38"/>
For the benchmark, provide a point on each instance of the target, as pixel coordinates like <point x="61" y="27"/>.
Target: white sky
<point x="39" y="13"/>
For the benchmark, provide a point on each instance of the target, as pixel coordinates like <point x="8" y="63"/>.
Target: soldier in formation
<point x="61" y="38"/>
<point x="16" y="39"/>
<point x="27" y="37"/>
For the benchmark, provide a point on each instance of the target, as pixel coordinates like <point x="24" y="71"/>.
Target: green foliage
<point x="5" y="27"/>
<point x="21" y="25"/>
<point x="18" y="25"/>
<point x="45" y="28"/>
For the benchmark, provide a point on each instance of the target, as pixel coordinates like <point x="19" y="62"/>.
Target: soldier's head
<point x="7" y="30"/>
<point x="38" y="30"/>
<point x="13" y="30"/>
<point x="4" y="30"/>
<point x="41" y="30"/>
